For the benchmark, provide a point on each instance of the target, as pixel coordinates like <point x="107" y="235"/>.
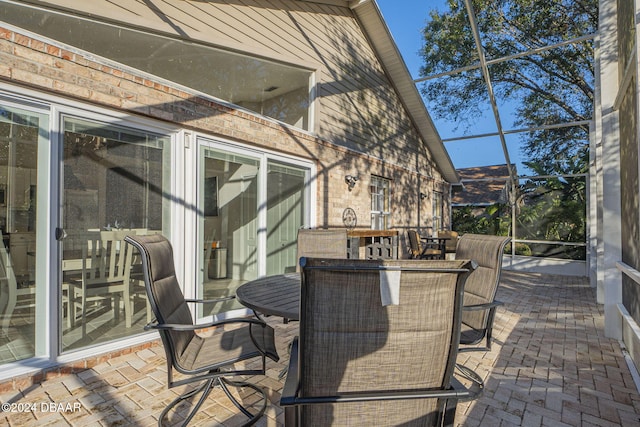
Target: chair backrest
<point x="321" y="243"/>
<point x="452" y="240"/>
<point x="350" y="342"/>
<point x="482" y="284"/>
<point x="106" y="257"/>
<point x="164" y="293"/>
<point x="414" y="243"/>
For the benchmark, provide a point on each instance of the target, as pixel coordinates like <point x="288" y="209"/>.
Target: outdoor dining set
<point x="377" y="339"/>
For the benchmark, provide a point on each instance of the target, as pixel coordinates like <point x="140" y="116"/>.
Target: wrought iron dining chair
<point x="480" y="305"/>
<point x="359" y="362"/>
<point x="322" y="243"/>
<point x="211" y="359"/>
<point x="430" y="249"/>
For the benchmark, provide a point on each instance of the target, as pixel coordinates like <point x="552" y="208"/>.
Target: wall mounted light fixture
<point x="423" y="196"/>
<point x="351" y="181"/>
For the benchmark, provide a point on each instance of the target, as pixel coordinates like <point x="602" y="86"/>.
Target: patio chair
<point x="321" y="243"/>
<point x="201" y="359"/>
<point x="359" y="362"/>
<point x="481" y="287"/>
<point x="430" y="249"/>
<point x="452" y="240"/>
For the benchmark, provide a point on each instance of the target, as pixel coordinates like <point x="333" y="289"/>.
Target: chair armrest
<point x="485" y="306"/>
<point x="290" y="389"/>
<point x="375" y="395"/>
<point x="183" y="327"/>
<point x="208" y="301"/>
<point x="290" y="396"/>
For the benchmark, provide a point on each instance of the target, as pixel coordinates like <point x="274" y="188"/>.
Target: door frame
<point x="193" y="234"/>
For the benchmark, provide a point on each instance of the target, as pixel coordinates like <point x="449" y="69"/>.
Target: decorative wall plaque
<point x="349" y="218"/>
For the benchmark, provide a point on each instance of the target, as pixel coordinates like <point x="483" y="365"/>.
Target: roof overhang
<point x="376" y="29"/>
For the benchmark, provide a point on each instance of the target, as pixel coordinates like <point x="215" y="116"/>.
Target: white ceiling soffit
<point x="370" y="17"/>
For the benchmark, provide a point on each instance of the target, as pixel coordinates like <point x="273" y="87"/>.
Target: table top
<point x="434" y="238"/>
<point x="277" y="295"/>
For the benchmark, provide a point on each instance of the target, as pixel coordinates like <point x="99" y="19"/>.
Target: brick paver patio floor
<point x="550" y="365"/>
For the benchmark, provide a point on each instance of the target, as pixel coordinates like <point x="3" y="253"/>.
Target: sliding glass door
<point x="115" y="183"/>
<point x="250" y="206"/>
<point x="24" y="137"/>
<point x="228" y="212"/>
<point x="286" y="209"/>
<point x="74" y="183"/>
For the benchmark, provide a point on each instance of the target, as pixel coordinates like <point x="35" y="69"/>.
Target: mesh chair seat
<point x="233" y="346"/>
<point x="321" y="243"/>
<point x="452" y="240"/>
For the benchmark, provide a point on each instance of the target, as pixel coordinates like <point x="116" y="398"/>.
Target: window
<point x="380" y="203"/>
<point x="437" y="211"/>
<point x="24" y="136"/>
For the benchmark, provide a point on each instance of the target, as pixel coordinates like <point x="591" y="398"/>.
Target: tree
<point x="551" y="87"/>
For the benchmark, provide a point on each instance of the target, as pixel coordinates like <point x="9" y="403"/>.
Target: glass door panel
<point x="285" y="215"/>
<point x="228" y="208"/>
<point x="115" y="182"/>
<point x="21" y="298"/>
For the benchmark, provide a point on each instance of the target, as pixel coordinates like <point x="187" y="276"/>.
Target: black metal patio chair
<point x="208" y="359"/>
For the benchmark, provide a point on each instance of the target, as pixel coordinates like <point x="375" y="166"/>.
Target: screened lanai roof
<point x="496" y="131"/>
<point x="468" y="58"/>
<point x="165" y="17"/>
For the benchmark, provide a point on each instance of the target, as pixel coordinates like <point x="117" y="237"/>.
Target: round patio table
<point x="277" y="295"/>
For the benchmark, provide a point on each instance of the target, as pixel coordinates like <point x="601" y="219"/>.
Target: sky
<point x="406" y="19"/>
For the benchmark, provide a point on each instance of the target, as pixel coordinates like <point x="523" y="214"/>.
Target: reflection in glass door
<point x="229" y="223"/>
<point x="115" y="182"/>
<point x="250" y="207"/>
<point x="21" y="298"/>
<point x="285" y="215"/>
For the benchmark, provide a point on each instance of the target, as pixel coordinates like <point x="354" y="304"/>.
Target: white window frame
<point x="438" y="211"/>
<point x="379" y="185"/>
